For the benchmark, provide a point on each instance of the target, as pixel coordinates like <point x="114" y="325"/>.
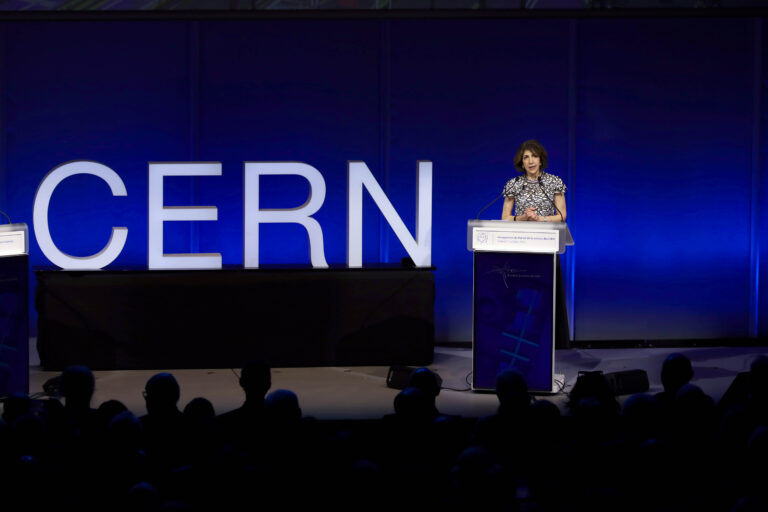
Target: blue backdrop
<point x="656" y="125"/>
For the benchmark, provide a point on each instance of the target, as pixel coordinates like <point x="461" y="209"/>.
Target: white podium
<point x="514" y="299"/>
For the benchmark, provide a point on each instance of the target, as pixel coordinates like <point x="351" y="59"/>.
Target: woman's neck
<point x="534" y="177"/>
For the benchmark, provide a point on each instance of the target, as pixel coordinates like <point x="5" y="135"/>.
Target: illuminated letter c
<point x="40" y="217"/>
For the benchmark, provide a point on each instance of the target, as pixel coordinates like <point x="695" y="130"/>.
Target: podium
<point x="514" y="306"/>
<point x="14" y="309"/>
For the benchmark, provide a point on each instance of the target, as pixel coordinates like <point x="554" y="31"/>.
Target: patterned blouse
<point x="529" y="194"/>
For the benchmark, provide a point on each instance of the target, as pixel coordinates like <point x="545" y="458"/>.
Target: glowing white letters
<point x="359" y="177"/>
<point x="158" y="214"/>
<point x="420" y="250"/>
<point x="40" y="216"/>
<point x="301" y="214"/>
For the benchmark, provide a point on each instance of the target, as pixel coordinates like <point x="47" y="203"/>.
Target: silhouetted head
<point x="256" y="379"/>
<point x="590" y="409"/>
<point x="143" y="496"/>
<point x="512" y="389"/>
<point x="77" y="385"/>
<point x="544" y="419"/>
<point x="474" y="460"/>
<point x="694" y="410"/>
<point x="426" y="380"/>
<point x="749" y="503"/>
<point x="590" y="390"/>
<point x="282" y="406"/>
<point x="545" y="410"/>
<point x="675" y="371"/>
<point x="413" y="403"/>
<point x="640" y="405"/>
<point x="161" y="393"/>
<point x="758" y="377"/>
<point x="108" y="410"/>
<point x="125" y="432"/>
<point x="365" y="477"/>
<point x="758" y="445"/>
<point x="16" y="405"/>
<point x="476" y="473"/>
<point x="642" y="416"/>
<point x="691" y="395"/>
<point x="27" y="431"/>
<point x="199" y="409"/>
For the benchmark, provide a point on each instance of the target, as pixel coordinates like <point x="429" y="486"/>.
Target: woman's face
<point x="531" y="162"/>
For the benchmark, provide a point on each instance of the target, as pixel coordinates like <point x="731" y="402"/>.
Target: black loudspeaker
<point x="397" y="376"/>
<point x="52" y="387"/>
<point x="627" y="382"/>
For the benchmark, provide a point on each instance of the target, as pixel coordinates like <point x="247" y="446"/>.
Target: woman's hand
<point x="530" y="214"/>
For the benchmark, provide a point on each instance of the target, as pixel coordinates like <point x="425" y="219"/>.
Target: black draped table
<point x="14" y="324"/>
<point x="160" y="319"/>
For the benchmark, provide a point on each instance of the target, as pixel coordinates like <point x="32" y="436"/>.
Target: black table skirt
<point x="141" y="319"/>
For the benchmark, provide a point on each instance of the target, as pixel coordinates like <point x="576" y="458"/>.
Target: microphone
<point x="550" y="200"/>
<point x="489" y="204"/>
<point x="497" y="198"/>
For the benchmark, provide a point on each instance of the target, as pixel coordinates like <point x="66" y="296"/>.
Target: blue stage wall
<point x="657" y="126"/>
<point x="663" y="178"/>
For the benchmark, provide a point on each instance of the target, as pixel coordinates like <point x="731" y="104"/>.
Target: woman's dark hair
<point x="534" y="147"/>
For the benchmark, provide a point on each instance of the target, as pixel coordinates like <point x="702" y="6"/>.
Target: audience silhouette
<point x="15" y="406"/>
<point x="500" y="433"/>
<point x="676" y="371"/>
<point x="701" y="457"/>
<point x="77" y="387"/>
<point x="165" y="428"/>
<point x="757" y="397"/>
<point x="281" y="408"/>
<point x="244" y="426"/>
<point x="429" y="383"/>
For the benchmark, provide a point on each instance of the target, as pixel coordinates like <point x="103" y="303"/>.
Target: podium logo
<point x="508" y="272"/>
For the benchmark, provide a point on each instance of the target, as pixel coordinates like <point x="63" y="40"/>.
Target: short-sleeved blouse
<point x="529" y="194"/>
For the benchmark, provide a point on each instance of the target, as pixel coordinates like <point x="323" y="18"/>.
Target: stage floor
<point x="361" y="392"/>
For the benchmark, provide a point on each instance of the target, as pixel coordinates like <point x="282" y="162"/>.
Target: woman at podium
<point x="535" y="195"/>
<point x="538" y="196"/>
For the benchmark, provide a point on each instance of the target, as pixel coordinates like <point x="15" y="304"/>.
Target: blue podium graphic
<point x="514" y="317"/>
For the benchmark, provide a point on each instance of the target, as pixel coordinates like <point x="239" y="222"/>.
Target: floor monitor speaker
<point x="398" y="376"/>
<point x="628" y="382"/>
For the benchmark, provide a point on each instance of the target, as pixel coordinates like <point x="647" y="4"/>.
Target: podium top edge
<point x="508" y="224"/>
<point x="18" y="226"/>
<point x="566" y="239"/>
<point x="472" y="222"/>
